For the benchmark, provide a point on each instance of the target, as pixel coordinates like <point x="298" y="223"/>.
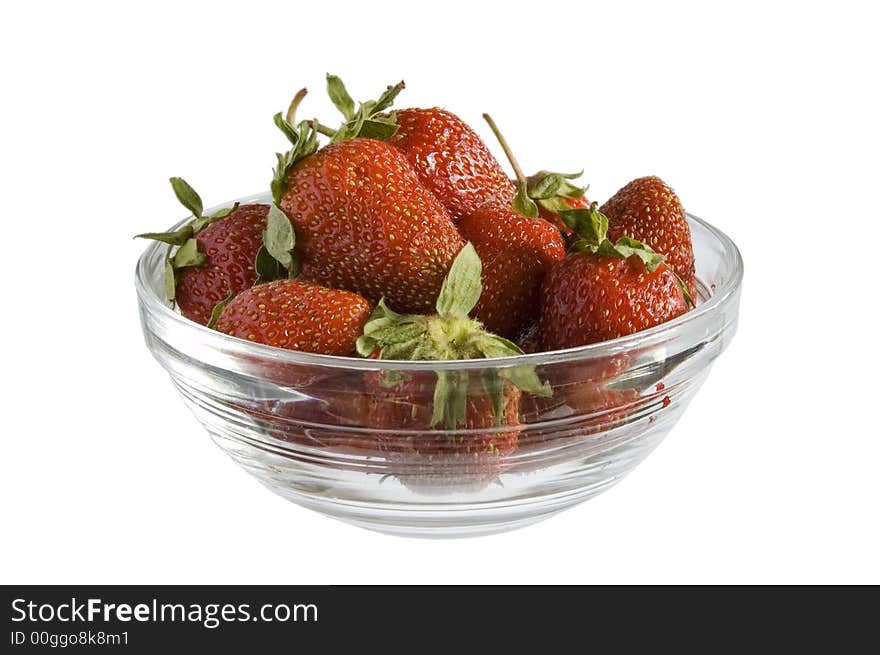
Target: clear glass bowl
<point x="315" y="428"/>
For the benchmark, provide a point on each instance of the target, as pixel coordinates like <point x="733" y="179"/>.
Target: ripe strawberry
<point x="605" y="290"/>
<point x="432" y="461"/>
<point x="450" y="159"/>
<point x="516" y="252"/>
<point x="647" y="209"/>
<point x="365" y="223"/>
<point x="216" y="253"/>
<point x="297" y="315"/>
<point x="409" y="406"/>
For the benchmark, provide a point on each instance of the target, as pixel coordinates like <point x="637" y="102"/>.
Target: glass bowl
<point x="350" y="437"/>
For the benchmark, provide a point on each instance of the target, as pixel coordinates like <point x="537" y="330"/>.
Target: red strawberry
<point x="450" y="159"/>
<point x="421" y="413"/>
<point x="648" y="210"/>
<point x="297" y="315"/>
<point x="605" y="290"/>
<point x="216" y="255"/>
<point x="231" y="246"/>
<point x="365" y="223"/>
<point x="434" y="461"/>
<point x="516" y="252"/>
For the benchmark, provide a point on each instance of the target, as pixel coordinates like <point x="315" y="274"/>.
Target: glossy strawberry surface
<point x="365" y="223"/>
<point x="297" y="315"/>
<point x="648" y="209"/>
<point x="516" y="251"/>
<point x="588" y="298"/>
<point x="450" y="159"/>
<point x="230" y="245"/>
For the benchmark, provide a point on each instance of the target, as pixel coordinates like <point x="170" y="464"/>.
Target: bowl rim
<point x="721" y="297"/>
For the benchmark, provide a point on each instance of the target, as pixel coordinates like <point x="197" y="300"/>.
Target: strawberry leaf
<point x="267" y="267"/>
<point x="491" y="345"/>
<point x="379" y="129"/>
<point x="366" y="121"/>
<point x="546" y="185"/>
<point x="279" y="238"/>
<point x="188" y="255"/>
<point x="304" y="139"/>
<point x="684" y="290"/>
<point x="187" y="196"/>
<point x="626" y="247"/>
<point x="202" y="222"/>
<point x="397" y="336"/>
<point x="524" y="205"/>
<point x="493" y="387"/>
<point x="339" y="96"/>
<point x="526" y="379"/>
<point x="388" y="96"/>
<point x="441" y="394"/>
<point x="176" y="238"/>
<point x="463" y="285"/>
<point x="218" y="309"/>
<point x="286" y="128"/>
<point x="169" y="281"/>
<point x="450" y="399"/>
<point x="557" y="204"/>
<point x="590" y="224"/>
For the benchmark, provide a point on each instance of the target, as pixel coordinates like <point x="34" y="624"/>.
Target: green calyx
<point x="187" y="253"/>
<point x="277" y="257"/>
<point x="304" y="142"/>
<point x="367" y="120"/>
<point x="551" y="190"/>
<point x="449" y="335"/>
<point x="193" y="202"/>
<point x="544" y="188"/>
<point x="591" y="226"/>
<point x="218" y="309"/>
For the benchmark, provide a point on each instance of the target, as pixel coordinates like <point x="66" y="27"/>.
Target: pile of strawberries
<point x="403" y="238"/>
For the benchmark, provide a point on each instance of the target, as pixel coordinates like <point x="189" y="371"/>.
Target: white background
<point x="762" y="115"/>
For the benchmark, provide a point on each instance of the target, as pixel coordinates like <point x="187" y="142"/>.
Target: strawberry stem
<point x="522" y="203"/>
<point x="294" y="105"/>
<point x="321" y="128"/>
<point x="520" y="177"/>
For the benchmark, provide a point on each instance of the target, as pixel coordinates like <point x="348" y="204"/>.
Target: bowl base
<point x="444" y="522"/>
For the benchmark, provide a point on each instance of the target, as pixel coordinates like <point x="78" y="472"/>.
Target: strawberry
<point x="450" y="159"/>
<point x="297" y="315"/>
<point x="216" y="253"/>
<point x="432" y="461"/>
<point x="365" y="223"/>
<point x="516" y="251"/>
<point x="408" y="406"/>
<point x="516" y="248"/>
<point x="605" y="290"/>
<point x="647" y="209"/>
